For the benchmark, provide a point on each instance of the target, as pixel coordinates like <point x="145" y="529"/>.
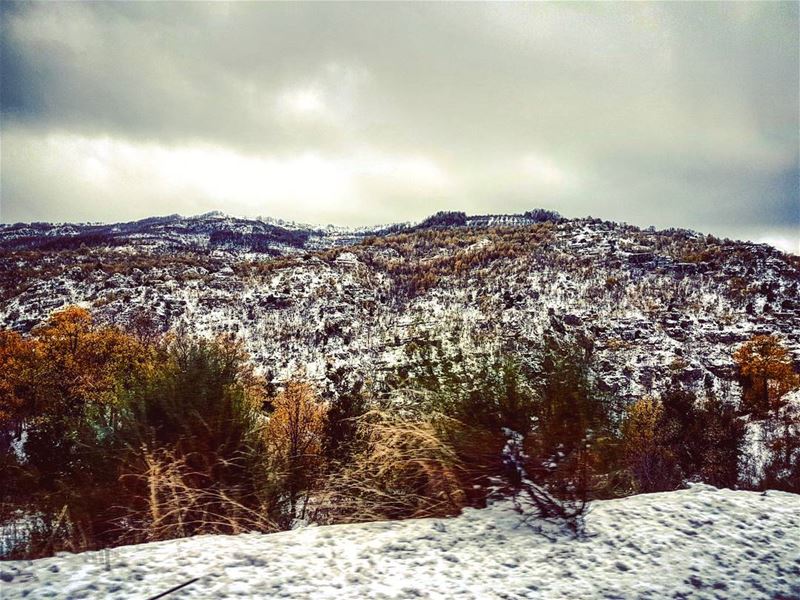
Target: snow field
<point x="694" y="543"/>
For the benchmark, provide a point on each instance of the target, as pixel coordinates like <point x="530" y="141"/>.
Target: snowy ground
<point x="695" y="543"/>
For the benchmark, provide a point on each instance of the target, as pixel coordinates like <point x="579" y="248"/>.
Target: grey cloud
<point x="663" y="113"/>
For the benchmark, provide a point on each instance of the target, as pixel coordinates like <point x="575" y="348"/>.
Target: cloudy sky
<point x="673" y="114"/>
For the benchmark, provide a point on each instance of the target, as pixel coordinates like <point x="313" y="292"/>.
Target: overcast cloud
<point x="674" y="114"/>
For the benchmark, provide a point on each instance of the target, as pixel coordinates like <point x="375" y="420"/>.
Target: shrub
<point x="340" y="426"/>
<point x="553" y="413"/>
<point x="554" y="490"/>
<point x="575" y="423"/>
<point x="722" y="441"/>
<point x="693" y="440"/>
<point x="195" y="458"/>
<point x="782" y="470"/>
<point x="86" y="408"/>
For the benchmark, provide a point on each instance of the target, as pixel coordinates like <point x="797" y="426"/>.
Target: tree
<point x="722" y="442"/>
<point x="782" y="470"/>
<point x="651" y="462"/>
<point x="573" y="439"/>
<point x="62" y="385"/>
<point x="82" y="366"/>
<point x="570" y="409"/>
<point x="295" y="431"/>
<point x="681" y="430"/>
<point x="346" y="401"/>
<point x="17" y="365"/>
<point x="766" y="373"/>
<point x="767" y="376"/>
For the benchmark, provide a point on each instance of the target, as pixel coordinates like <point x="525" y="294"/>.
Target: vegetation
<point x="111" y="435"/>
<point x="766" y="374"/>
<point x="678" y="438"/>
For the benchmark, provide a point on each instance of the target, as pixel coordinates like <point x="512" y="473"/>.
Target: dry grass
<point x="404" y="469"/>
<point x="180" y="502"/>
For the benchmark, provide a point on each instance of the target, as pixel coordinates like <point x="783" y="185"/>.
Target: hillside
<point x="698" y="543"/>
<point x="645" y="305"/>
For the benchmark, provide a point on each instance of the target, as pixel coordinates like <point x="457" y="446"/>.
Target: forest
<point x="112" y="435"/>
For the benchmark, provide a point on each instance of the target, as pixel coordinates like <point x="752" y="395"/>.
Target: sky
<point x="665" y="114"/>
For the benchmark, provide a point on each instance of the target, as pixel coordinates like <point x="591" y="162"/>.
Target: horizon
<point x="664" y="115"/>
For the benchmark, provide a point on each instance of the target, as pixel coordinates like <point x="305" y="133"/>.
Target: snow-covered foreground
<point x="698" y="543"/>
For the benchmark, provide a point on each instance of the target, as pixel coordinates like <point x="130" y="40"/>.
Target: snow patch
<point x="698" y="543"/>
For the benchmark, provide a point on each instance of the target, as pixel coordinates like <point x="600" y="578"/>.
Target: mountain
<point x="344" y="304"/>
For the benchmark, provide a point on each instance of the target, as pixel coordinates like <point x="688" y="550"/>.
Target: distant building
<point x="347" y="259"/>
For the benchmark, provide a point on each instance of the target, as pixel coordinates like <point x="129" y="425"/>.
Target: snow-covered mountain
<point x="695" y="543"/>
<point x="645" y="305"/>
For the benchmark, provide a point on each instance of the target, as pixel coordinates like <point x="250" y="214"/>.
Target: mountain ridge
<point x="14" y="231"/>
<point x="647" y="305"/>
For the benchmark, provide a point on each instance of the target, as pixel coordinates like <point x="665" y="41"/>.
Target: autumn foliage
<point x="111" y="436"/>
<point x="766" y="372"/>
<point x="295" y="434"/>
<point x="67" y="366"/>
<point x="130" y="439"/>
<point x="649" y="457"/>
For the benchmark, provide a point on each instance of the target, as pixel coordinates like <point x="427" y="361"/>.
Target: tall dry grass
<point x="403" y="468"/>
<point x="178" y="501"/>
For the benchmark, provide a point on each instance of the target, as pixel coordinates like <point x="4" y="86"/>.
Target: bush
<point x="782" y="433"/>
<point x="678" y="438"/>
<point x="555" y="490"/>
<point x="722" y="442"/>
<point x="111" y="436"/>
<point x="558" y="421"/>
<point x="115" y="432"/>
<point x="194" y="455"/>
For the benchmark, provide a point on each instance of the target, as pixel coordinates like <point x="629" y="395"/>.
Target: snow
<point x="698" y="543"/>
<point x="645" y="316"/>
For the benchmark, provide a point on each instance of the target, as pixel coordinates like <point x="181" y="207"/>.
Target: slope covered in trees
<point x="648" y="305"/>
<point x="227" y="375"/>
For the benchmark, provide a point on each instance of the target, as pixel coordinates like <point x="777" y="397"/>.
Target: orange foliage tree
<point x="296" y="437"/>
<point x="63" y="385"/>
<point x="767" y="375"/>
<point x="18" y="358"/>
